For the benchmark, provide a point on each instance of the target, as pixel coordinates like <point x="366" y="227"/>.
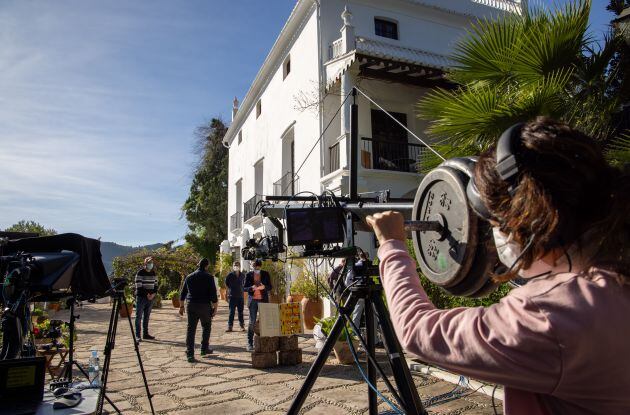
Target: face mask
<point x="236" y="268"/>
<point x="149" y="266"/>
<point x="510" y="251"/>
<point x="256" y="270"/>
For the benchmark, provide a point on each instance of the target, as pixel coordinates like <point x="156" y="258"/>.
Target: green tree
<point x="206" y="206"/>
<point x="517" y="67"/>
<point x="31" y="226"/>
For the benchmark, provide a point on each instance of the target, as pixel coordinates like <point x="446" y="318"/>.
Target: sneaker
<point x="249" y="348"/>
<point x="190" y="358"/>
<point x="242" y="327"/>
<point x="148" y="337"/>
<point x="205" y="352"/>
<point x="229" y="329"/>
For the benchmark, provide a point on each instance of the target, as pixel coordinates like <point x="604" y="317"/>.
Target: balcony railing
<point x="287" y="185"/>
<point x="333" y="158"/>
<point x="249" y="207"/>
<point x="235" y="221"/>
<point x="335" y="49"/>
<point x="390" y="155"/>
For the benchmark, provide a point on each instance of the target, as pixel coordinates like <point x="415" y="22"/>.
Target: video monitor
<point x="311" y="226"/>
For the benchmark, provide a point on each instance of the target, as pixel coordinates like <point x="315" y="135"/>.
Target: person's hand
<point x="387" y="225"/>
<point x="150" y="297"/>
<point x="181" y="310"/>
<point x="214" y="309"/>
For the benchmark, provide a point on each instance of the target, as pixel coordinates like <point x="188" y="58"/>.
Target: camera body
<point x="265" y="247"/>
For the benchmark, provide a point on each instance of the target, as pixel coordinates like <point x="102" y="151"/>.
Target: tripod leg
<point x="317" y="366"/>
<point x="402" y="375"/>
<point x="371" y="369"/>
<point x="135" y="345"/>
<point x="109" y="346"/>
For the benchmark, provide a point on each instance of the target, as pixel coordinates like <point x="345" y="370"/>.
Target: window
<point x="240" y="137"/>
<point x="258" y="108"/>
<point x="286" y="67"/>
<point x="385" y="28"/>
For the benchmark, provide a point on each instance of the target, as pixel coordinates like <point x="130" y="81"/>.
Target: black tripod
<point x="118" y="296"/>
<point x="365" y="288"/>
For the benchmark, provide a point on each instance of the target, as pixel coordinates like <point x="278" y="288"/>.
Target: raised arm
<point x="510" y="343"/>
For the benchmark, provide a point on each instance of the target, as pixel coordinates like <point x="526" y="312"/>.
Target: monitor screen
<point x="309" y="226"/>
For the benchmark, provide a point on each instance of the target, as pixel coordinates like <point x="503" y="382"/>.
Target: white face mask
<point x="509" y="251"/>
<point x="149" y="266"/>
<point x="236" y="269"/>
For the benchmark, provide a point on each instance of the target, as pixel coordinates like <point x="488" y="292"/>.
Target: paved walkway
<point x="225" y="383"/>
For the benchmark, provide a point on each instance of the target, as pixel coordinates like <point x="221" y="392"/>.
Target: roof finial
<point x="346" y="16"/>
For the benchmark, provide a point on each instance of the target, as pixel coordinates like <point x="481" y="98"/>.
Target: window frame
<point x="286" y="67"/>
<point x="258" y="108"/>
<point x="394" y="22"/>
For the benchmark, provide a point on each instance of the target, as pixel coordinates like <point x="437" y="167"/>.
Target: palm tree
<point x="539" y="62"/>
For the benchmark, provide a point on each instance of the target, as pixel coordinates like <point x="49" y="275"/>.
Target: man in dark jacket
<point x="258" y="286"/>
<point x="200" y="294"/>
<point x="146" y="288"/>
<point x="235" y="282"/>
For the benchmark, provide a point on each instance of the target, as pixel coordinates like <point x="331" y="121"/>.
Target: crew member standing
<point x="200" y="294"/>
<point x="146" y="288"/>
<point x="258" y="286"/>
<point x="235" y="281"/>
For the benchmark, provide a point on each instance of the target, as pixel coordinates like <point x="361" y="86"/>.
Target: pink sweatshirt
<point x="559" y="344"/>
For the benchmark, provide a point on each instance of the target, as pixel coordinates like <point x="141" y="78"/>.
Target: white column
<point x="347" y="83"/>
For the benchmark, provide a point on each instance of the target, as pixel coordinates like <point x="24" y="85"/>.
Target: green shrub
<point x="172" y="294"/>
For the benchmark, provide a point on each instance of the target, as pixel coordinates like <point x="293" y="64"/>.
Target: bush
<point x="306" y="286"/>
<point x="172" y="294"/>
<point x="222" y="267"/>
<point x="327" y="325"/>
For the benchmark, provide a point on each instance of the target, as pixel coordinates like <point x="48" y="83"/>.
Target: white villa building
<point x="393" y="50"/>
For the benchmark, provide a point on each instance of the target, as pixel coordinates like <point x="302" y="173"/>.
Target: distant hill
<point x="110" y="250"/>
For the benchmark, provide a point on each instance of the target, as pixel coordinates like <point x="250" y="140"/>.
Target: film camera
<point x="453" y="245"/>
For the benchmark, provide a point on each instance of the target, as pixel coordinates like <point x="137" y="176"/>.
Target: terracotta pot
<point x="274" y="298"/>
<point x="343" y="353"/>
<point x="54" y="306"/>
<point x="125" y="311"/>
<point x="311" y="309"/>
<point x="176" y="302"/>
<point x="223" y="293"/>
<point x="294" y="298"/>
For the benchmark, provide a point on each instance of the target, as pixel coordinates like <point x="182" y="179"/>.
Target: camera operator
<point x="258" y="285"/>
<point x="560" y="343"/>
<point x="146" y="288"/>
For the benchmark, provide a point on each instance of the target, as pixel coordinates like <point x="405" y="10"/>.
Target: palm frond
<point x="618" y="151"/>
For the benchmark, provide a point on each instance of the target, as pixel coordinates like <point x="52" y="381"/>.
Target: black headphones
<point x="508" y="148"/>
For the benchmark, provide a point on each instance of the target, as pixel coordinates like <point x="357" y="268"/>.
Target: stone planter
<point x="343" y="353"/>
<point x="176" y="302"/>
<point x="295" y="298"/>
<point x="311" y="309"/>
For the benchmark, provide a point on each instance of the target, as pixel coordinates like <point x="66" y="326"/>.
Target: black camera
<point x="266" y="247"/>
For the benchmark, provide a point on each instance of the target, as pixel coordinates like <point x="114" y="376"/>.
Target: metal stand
<point x="119" y="300"/>
<point x="374" y="306"/>
<point x="67" y="376"/>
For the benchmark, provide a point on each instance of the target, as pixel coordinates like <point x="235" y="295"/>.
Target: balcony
<point x="333" y="158"/>
<point x="249" y="207"/>
<point x="287" y="185"/>
<point x="390" y="155"/>
<point x="335" y="48"/>
<point x="236" y="221"/>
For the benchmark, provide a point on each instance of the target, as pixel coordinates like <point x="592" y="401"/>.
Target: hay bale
<point x="264" y="360"/>
<point x="265" y="344"/>
<point x="288" y="343"/>
<point x="289" y="357"/>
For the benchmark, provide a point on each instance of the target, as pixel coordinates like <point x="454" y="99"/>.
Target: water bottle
<point x="94" y="370"/>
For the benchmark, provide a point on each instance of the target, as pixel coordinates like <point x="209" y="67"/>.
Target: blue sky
<point x="99" y="100"/>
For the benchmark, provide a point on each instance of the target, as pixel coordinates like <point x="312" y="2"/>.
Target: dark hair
<point x="565" y="189"/>
<point x="258" y="262"/>
<point x="236" y="263"/>
<point x="203" y="264"/>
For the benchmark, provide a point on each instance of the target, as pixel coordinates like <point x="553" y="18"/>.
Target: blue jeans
<point x="236" y="303"/>
<point x="253" y="315"/>
<point x="143" y="311"/>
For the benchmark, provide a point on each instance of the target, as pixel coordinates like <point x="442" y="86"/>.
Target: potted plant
<point x="278" y="280"/>
<point x="312" y="305"/>
<point x="126" y="311"/>
<point x="38" y="315"/>
<point x="174" y="297"/>
<point x="295" y="296"/>
<point x="39" y="332"/>
<point x="158" y="300"/>
<point x="341" y="347"/>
